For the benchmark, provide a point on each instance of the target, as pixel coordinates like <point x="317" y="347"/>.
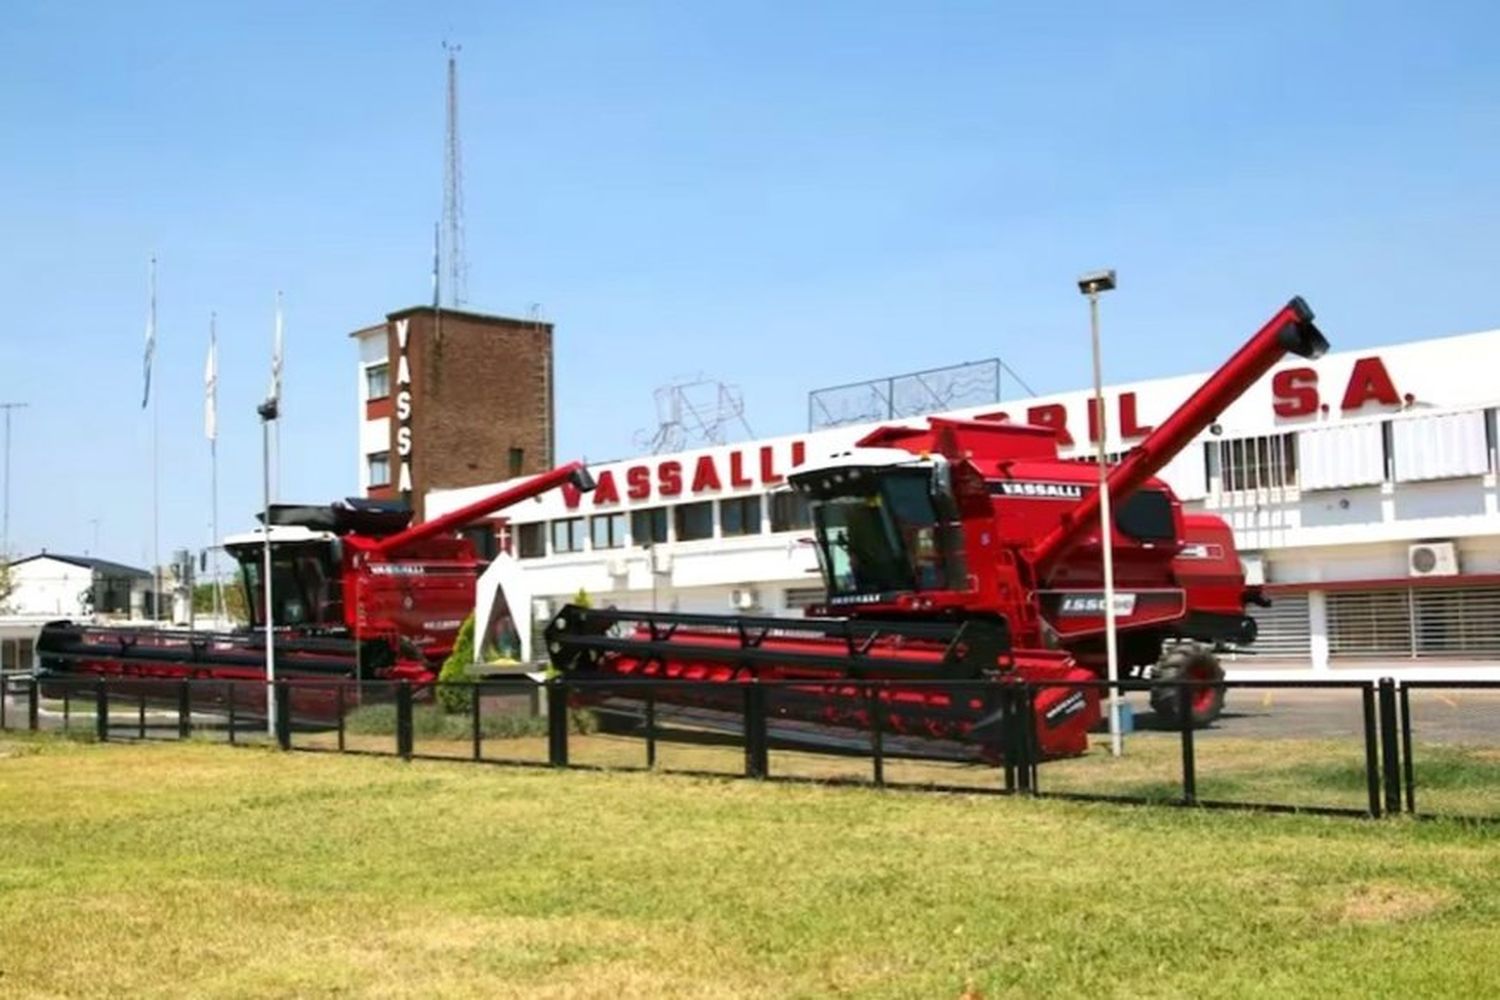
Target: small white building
<point x="1361" y="488"/>
<point x="61" y="586"/>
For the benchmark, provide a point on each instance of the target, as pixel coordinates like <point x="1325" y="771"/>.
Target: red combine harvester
<point x="357" y="593"/>
<point x="968" y="550"/>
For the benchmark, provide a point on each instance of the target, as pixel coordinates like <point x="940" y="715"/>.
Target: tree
<point x="5" y="583"/>
<point x="234" y="601"/>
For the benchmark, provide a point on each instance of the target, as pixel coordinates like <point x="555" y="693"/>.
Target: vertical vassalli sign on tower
<point x="403" y="410"/>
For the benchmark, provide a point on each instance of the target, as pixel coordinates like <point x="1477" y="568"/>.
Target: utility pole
<point x="453" y="190"/>
<point x="5" y="519"/>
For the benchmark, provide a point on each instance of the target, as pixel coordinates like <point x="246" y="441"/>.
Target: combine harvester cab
<point x="957" y="555"/>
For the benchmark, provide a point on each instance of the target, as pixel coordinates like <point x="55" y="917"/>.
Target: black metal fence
<point x="1426" y="748"/>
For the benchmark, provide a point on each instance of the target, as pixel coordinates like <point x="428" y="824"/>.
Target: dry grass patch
<point x="1388" y="903"/>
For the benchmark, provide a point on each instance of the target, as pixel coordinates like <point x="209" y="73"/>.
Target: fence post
<point x="67" y="707"/>
<point x="1189" y="756"/>
<point x="101" y="710"/>
<point x="475" y="691"/>
<point x="283" y="716"/>
<point x="33" y="704"/>
<point x="1008" y="743"/>
<point x="557" y="722"/>
<point x="1033" y="742"/>
<point x="184" y="710"/>
<point x="229" y="698"/>
<point x="341" y="710"/>
<point x="1390" y="746"/>
<point x="877" y="734"/>
<point x="650" y="728"/>
<point x="1372" y="754"/>
<point x="4" y="694"/>
<point x="1408" y="769"/>
<point x="140" y="717"/>
<point x="755" y="730"/>
<point x="403" y="720"/>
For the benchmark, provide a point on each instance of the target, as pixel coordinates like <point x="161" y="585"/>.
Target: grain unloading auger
<point x="969" y="551"/>
<point x="356" y="591"/>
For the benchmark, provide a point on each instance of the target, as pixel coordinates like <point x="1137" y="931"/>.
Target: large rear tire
<point x="1187" y="661"/>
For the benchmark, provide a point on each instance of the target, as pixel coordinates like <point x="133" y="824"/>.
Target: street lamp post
<point x="1091" y="285"/>
<point x="268" y="413"/>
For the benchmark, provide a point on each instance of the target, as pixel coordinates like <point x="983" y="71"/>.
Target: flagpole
<point x="155" y="465"/>
<point x="276" y="431"/>
<point x="212" y="427"/>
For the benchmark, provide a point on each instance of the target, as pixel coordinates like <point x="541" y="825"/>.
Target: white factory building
<point x="1361" y="488"/>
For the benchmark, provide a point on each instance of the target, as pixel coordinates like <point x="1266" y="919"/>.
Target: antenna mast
<point x="453" y="190"/>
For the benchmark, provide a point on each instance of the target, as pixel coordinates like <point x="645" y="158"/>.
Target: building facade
<point x="1361" y="489"/>
<point x="60" y="586"/>
<point x="451" y="399"/>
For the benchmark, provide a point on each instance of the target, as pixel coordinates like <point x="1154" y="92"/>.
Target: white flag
<point x="211" y="384"/>
<point x="275" y="394"/>
<point x="150" y="337"/>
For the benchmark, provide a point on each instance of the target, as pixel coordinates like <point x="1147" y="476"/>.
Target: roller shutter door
<point x="1419" y="621"/>
<point x="1284" y="629"/>
<point x="1458" y="622"/>
<point x="1369" y="623"/>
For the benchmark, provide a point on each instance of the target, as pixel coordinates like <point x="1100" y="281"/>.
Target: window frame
<point x="795" y="499"/>
<point x="658" y="515"/>
<point x="370" y="458"/>
<point x="614" y="533"/>
<point x="682" y="510"/>
<point x="577" y="535"/>
<point x="531" y="531"/>
<point x="740" y="505"/>
<point x="384" y="367"/>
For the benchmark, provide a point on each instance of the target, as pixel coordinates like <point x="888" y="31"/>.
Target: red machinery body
<point x="357" y="593"/>
<point x="972" y="550"/>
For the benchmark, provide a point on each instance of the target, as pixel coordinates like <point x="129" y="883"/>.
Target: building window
<point x="798" y="598"/>
<point x="740" y="516"/>
<point x="694" y="520"/>
<point x="789" y="511"/>
<point x="608" y="530"/>
<point x="1257" y="463"/>
<point x="531" y="540"/>
<point x="517" y="461"/>
<point x="379" y="466"/>
<point x="567" y="535"/>
<point x="649" y="526"/>
<point x="377" y="381"/>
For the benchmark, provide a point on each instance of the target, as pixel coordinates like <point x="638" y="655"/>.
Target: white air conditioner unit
<point x="617" y="566"/>
<point x="1432" y="559"/>
<point x="744" y="599"/>
<point x="661" y="560"/>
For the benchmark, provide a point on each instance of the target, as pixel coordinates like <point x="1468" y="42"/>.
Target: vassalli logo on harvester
<point x="1036" y="490"/>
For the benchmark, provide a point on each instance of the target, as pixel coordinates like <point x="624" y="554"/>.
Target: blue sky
<point x="782" y="195"/>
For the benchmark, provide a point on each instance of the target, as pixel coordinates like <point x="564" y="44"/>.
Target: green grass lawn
<point x="192" y="869"/>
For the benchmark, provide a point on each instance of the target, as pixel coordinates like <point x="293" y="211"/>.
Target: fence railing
<point x="1364" y="749"/>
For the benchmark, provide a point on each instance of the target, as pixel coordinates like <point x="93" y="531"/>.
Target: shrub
<point x="454" y="680"/>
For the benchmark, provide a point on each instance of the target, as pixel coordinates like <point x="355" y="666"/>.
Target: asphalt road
<point x="1437" y="716"/>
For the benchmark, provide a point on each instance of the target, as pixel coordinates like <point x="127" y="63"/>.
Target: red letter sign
<point x="1052" y="415"/>
<point x="1295" y="391"/>
<point x="1369" y="381"/>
